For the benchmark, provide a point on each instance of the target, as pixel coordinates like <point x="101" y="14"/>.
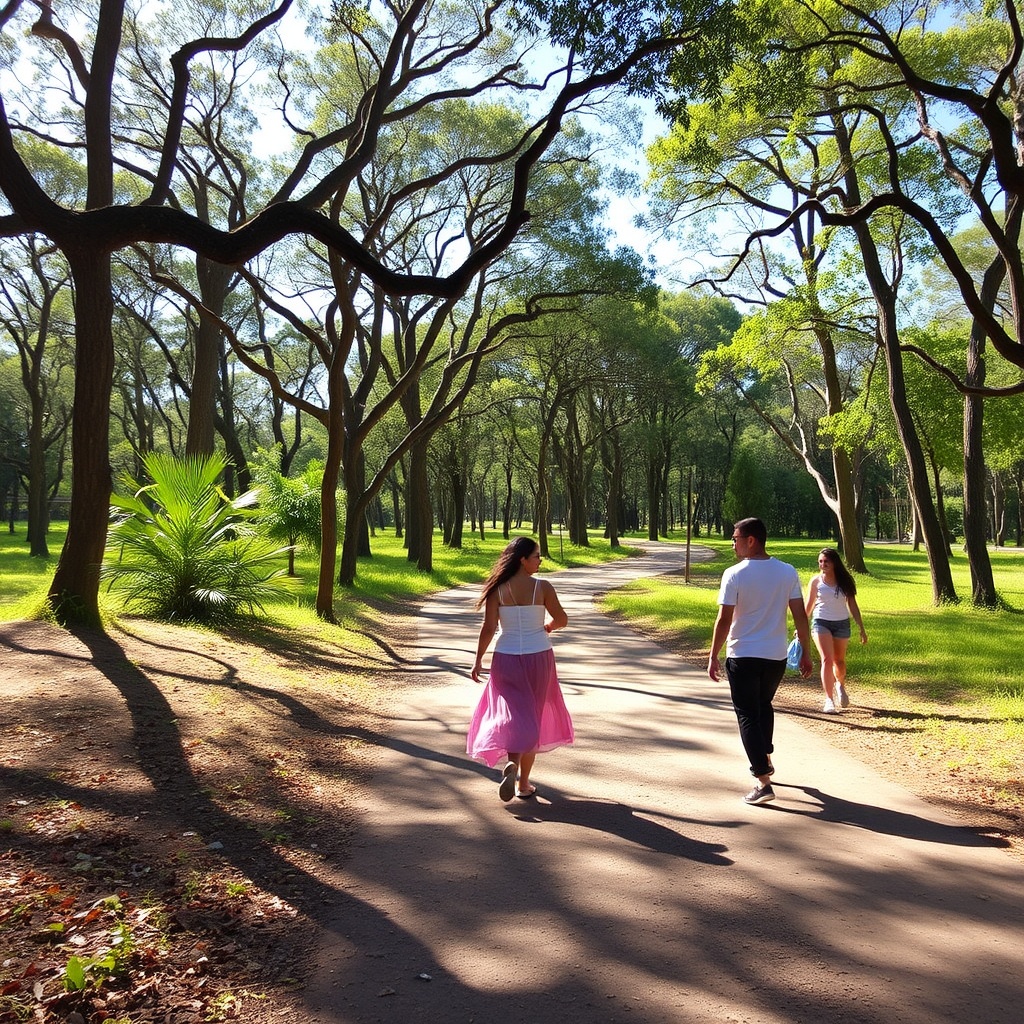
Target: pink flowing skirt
<point x="521" y="709"/>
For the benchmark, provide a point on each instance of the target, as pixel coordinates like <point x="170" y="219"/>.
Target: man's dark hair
<point x="752" y="527"/>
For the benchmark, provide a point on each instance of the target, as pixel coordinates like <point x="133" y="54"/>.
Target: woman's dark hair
<point x="844" y="580"/>
<point x="507" y="565"/>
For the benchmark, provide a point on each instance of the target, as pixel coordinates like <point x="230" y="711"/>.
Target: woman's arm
<point x="812" y="595"/>
<point x="851" y="603"/>
<point x="487" y="630"/>
<point x="554" y="608"/>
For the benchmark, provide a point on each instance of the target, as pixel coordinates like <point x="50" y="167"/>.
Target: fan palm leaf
<point x="180" y="548"/>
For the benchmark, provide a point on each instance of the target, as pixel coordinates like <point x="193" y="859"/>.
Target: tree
<point x="965" y="76"/>
<point x="403" y="66"/>
<point x="289" y="508"/>
<point x="757" y="153"/>
<point x="34" y="316"/>
<point x="808" y="68"/>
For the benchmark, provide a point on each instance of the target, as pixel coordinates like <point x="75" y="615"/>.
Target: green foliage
<point x="765" y="481"/>
<point x="289" y="507"/>
<point x="82" y="971"/>
<point x="605" y="32"/>
<point x="25" y="579"/>
<point x="181" y="549"/>
<point x="746" y="492"/>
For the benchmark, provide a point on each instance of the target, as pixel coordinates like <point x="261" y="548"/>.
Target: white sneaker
<point x="829" y="708"/>
<point x="844" y="697"/>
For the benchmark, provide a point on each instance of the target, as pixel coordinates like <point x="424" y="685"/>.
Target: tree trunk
<point x="940" y="503"/>
<point x="543" y="503"/>
<point x="74" y="591"/>
<point x="357" y="480"/>
<point x="350" y="539"/>
<point x="611" y="453"/>
<point x="214" y="279"/>
<point x="356" y="534"/>
<point x="998" y="511"/>
<point x="665" y="514"/>
<point x="238" y="474"/>
<point x="419" y="513"/>
<point x="457" y="482"/>
<point x="1018" y="477"/>
<point x="38" y="503"/>
<point x="329" y="492"/>
<point x="396" y="505"/>
<point x="506" y="508"/>
<point x="846" y="513"/>
<point x="884" y="295"/>
<point x="983" y="587"/>
<point x="653" y="498"/>
<point x="844" y="506"/>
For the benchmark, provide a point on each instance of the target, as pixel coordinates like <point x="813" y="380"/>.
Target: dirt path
<point x="639" y="887"/>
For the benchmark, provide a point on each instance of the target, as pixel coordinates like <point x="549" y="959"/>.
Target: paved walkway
<point x="639" y="887"/>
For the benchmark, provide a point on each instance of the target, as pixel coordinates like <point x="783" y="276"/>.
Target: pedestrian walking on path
<point x="831" y="601"/>
<point x="752" y="602"/>
<point x="521" y="711"/>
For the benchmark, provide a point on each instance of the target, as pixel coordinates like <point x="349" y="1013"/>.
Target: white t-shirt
<point x="759" y="589"/>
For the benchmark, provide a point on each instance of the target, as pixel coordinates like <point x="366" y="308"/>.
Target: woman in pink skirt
<point x="521" y="711"/>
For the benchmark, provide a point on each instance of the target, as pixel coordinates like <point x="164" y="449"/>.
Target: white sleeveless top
<point x="522" y="626"/>
<point x="829" y="603"/>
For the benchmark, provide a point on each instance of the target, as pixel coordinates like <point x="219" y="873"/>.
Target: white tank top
<point x="522" y="626"/>
<point x="829" y="603"/>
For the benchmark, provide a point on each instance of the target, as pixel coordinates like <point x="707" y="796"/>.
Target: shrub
<point x="180" y="548"/>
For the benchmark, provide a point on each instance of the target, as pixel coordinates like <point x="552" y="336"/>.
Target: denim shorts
<point x="839" y="628"/>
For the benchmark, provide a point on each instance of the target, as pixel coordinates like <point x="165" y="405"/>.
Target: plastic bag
<point x="794" y="653"/>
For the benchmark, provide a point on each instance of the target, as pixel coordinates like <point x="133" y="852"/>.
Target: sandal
<point x="525" y="794"/>
<point x="508" y="782"/>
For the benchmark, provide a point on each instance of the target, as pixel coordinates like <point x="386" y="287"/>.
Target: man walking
<point x="751" y="622"/>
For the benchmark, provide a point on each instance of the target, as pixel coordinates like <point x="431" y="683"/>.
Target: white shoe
<point x="844" y="697"/>
<point x="830" y="708"/>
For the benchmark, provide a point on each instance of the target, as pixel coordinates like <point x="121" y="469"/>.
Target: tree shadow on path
<point x="620" y="820"/>
<point x="886" y="821"/>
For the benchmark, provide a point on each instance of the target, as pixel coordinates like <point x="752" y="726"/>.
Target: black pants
<point x="752" y="684"/>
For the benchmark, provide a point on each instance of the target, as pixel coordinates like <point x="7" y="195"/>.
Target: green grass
<point x="24" y="580"/>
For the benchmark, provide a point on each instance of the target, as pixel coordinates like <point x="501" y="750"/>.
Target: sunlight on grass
<point x="937" y="651"/>
<point x="24" y="581"/>
<point x="385" y="576"/>
<point x="388" y="575"/>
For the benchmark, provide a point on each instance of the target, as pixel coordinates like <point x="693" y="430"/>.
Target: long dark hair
<point x="844" y="580"/>
<point x="507" y="565"/>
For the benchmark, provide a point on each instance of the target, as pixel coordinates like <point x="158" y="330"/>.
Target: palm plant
<point x="290" y="508"/>
<point x="180" y="548"/>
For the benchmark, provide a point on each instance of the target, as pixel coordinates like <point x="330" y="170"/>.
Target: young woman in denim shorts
<point x="831" y="602"/>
